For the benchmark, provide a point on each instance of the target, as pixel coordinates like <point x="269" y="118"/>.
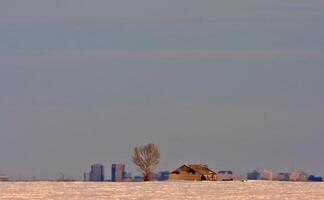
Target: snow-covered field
<point x="161" y="190"/>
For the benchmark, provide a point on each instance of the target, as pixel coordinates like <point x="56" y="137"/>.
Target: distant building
<point x="163" y="175"/>
<point x="154" y="176"/>
<point x="260" y="175"/>
<point x="86" y="176"/>
<point x="298" y="176"/>
<point x="238" y="177"/>
<point x="138" y="178"/>
<point x="128" y="177"/>
<point x="193" y="172"/>
<point x="266" y="175"/>
<point x="314" y="178"/>
<point x="117" y="172"/>
<point x="225" y="175"/>
<point x="254" y="175"/>
<point x="97" y="172"/>
<point x="3" y="178"/>
<point x="283" y="176"/>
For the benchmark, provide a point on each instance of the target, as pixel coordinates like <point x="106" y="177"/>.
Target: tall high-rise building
<point x="97" y="172"/>
<point x="117" y="172"/>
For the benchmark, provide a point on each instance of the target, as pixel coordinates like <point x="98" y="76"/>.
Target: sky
<point x="235" y="84"/>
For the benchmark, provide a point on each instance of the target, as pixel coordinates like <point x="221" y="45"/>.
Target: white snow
<point x="161" y="190"/>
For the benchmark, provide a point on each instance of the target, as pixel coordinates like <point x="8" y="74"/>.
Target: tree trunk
<point x="146" y="178"/>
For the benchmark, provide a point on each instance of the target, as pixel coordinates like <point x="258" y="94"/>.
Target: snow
<point x="161" y="190"/>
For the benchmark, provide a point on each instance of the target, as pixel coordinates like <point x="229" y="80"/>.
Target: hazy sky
<point x="235" y="84"/>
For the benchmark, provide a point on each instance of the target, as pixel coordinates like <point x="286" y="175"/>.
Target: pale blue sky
<point x="235" y="84"/>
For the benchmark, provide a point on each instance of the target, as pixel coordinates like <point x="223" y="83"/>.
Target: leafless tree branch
<point x="146" y="158"/>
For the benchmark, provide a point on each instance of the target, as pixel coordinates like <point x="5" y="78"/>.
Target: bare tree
<point x="146" y="158"/>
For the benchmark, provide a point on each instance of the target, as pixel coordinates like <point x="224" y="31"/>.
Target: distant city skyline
<point x="237" y="85"/>
<point x="118" y="172"/>
<point x="97" y="172"/>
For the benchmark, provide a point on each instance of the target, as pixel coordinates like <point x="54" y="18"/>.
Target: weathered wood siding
<point x="183" y="175"/>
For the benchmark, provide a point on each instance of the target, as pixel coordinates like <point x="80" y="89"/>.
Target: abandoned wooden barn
<point x="193" y="172"/>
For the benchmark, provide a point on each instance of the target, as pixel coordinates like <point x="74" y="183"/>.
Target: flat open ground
<point x="161" y="190"/>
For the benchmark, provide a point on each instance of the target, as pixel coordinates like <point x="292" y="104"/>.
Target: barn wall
<point x="185" y="176"/>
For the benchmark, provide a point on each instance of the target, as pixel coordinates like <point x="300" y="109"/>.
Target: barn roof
<point x="201" y="169"/>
